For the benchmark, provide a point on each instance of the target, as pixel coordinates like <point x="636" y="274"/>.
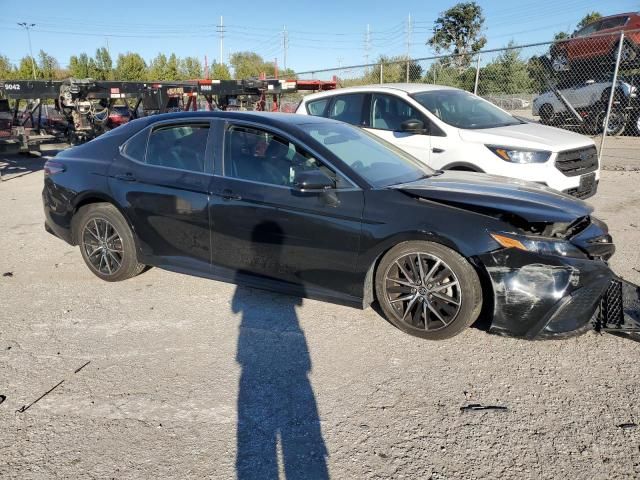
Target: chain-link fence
<point x="565" y="83"/>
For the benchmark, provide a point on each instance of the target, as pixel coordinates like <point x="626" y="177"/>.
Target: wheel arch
<point x="463" y="166"/>
<point x="93" y="197"/>
<point x="372" y="258"/>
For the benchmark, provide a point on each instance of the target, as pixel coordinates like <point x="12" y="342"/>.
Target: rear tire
<point x="428" y="290"/>
<point x="106" y="242"/>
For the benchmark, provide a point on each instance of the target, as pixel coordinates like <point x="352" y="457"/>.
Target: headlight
<point x="521" y="155"/>
<point x="541" y="245"/>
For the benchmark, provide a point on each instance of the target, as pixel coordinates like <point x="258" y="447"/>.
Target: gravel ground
<point x="191" y="378"/>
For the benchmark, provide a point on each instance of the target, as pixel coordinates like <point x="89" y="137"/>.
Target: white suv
<point x="451" y="129"/>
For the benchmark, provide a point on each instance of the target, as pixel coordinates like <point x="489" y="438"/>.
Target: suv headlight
<point x="541" y="245"/>
<point x="520" y="155"/>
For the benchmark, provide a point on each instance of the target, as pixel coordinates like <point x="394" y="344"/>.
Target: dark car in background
<point x="118" y="115"/>
<point x="318" y="208"/>
<point x="48" y="120"/>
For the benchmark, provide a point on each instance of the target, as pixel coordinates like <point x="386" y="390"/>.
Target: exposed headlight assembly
<point x="520" y="155"/>
<point x="541" y="245"/>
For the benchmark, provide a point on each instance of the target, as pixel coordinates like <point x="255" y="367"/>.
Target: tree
<point x="220" y="71"/>
<point x="25" y="69"/>
<point x="131" y="66"/>
<point x="507" y="74"/>
<point x="82" y="66"/>
<point x="561" y="36"/>
<point x="587" y="19"/>
<point x="103" y="64"/>
<point x="458" y="31"/>
<point x="48" y="66"/>
<point x="445" y="71"/>
<point x="6" y="69"/>
<point x="158" y="68"/>
<point x="190" y="68"/>
<point x="173" y="68"/>
<point x="247" y="65"/>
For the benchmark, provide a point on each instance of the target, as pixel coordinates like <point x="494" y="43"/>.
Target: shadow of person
<point x="276" y="404"/>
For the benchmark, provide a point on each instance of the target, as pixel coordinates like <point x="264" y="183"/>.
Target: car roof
<point x="273" y="119"/>
<point x="384" y="87"/>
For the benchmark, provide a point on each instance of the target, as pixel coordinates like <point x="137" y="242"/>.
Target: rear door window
<point x="348" y="108"/>
<point x="180" y="146"/>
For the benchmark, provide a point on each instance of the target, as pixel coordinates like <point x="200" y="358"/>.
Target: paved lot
<point x="191" y="378"/>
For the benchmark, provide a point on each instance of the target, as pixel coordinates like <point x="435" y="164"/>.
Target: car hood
<point x="491" y="193"/>
<point x="528" y="135"/>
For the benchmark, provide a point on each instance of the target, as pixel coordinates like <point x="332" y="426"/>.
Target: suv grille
<point x="578" y="161"/>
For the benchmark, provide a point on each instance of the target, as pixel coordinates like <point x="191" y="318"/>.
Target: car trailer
<point x="86" y="103"/>
<point x="624" y="110"/>
<point x="230" y="94"/>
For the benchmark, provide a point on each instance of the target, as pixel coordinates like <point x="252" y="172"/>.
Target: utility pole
<point x="108" y="49"/>
<point x="285" y="46"/>
<point x="367" y="45"/>
<point x="409" y="32"/>
<point x="221" y="30"/>
<point x="27" y="26"/>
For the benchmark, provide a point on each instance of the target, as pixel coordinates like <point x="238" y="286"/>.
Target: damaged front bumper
<point x="549" y="297"/>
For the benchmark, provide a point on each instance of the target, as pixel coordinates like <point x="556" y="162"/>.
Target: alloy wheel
<point x="423" y="291"/>
<point x="103" y="246"/>
<point x="560" y="63"/>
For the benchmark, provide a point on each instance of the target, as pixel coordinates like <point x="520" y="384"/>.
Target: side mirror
<point x="312" y="181"/>
<point x="412" y="126"/>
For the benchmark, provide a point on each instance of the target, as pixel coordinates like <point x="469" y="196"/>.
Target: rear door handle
<point x="127" y="177"/>
<point x="229" y="195"/>
<point x="437" y="150"/>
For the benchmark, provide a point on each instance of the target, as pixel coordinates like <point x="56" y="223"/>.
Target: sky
<point x="321" y="34"/>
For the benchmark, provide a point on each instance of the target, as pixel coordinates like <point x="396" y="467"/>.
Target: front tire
<point x="106" y="243"/>
<point x="428" y="290"/>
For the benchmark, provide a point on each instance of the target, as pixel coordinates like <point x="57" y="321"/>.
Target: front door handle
<point x="437" y="150"/>
<point x="229" y="195"/>
<point x="127" y="177"/>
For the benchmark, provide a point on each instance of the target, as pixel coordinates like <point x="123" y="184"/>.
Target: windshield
<point x="463" y="110"/>
<point x="377" y="161"/>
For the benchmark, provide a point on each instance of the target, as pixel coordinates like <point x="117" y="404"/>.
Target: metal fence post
<point x="475" y="85"/>
<point x="614" y="84"/>
<point x="381" y="71"/>
<point x="407" y="70"/>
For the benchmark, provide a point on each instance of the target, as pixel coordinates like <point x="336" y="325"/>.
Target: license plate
<point x="587" y="182"/>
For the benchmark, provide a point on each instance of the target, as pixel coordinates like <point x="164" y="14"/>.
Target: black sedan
<point x="321" y="209"/>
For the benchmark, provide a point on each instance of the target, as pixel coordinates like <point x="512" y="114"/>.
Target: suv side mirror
<point x="412" y="126"/>
<point x="312" y="181"/>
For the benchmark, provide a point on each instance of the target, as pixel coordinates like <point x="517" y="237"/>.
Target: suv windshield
<point x="464" y="110"/>
<point x="377" y="161"/>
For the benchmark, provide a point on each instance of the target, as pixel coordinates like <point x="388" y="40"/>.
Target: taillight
<point x="51" y="167"/>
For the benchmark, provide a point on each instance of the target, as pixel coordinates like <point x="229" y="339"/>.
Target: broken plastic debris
<point x="478" y="406"/>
